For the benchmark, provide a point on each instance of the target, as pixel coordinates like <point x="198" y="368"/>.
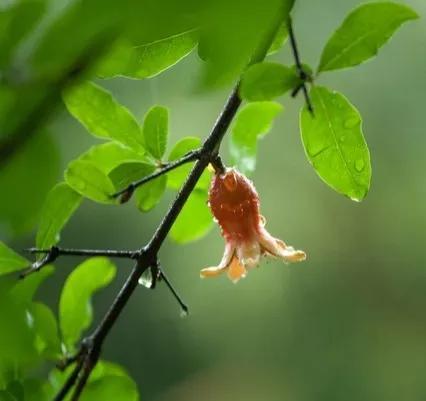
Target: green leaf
<point x="46" y="330"/>
<point x="121" y="388"/>
<point x="107" y="156"/>
<point x="362" y="33"/>
<point x="177" y="177"/>
<point x="155" y="130"/>
<point x="10" y="261"/>
<point x="265" y="81"/>
<point x="126" y="173"/>
<point x="24" y="290"/>
<point x="148" y="60"/>
<point x="335" y="145"/>
<point x="279" y="40"/>
<point x="103" y="116"/>
<point x="75" y="309"/>
<point x="62" y="201"/>
<point x="6" y="396"/>
<point x="253" y="121"/>
<point x="148" y="195"/>
<point x="86" y="179"/>
<point x="25" y="182"/>
<point x="195" y="219"/>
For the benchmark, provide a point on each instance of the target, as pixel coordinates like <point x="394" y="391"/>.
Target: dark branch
<point x="147" y="256"/>
<point x="54" y="252"/>
<point x="126" y="193"/>
<point x="304" y="77"/>
<point x="45" y="108"/>
<point x="162" y="276"/>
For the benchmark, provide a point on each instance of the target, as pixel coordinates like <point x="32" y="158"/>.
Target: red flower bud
<point x="234" y="203"/>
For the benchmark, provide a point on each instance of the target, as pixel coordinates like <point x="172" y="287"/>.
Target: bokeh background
<point x="349" y="323"/>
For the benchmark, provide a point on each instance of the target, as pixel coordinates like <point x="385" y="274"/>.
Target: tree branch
<point x="126" y="193"/>
<point x="55" y="252"/>
<point x="146" y="257"/>
<point x="302" y="73"/>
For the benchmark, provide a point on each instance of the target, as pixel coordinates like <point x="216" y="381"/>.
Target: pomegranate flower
<point x="234" y="203"/>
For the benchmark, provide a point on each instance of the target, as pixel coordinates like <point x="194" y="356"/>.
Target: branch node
<point x="51" y="255"/>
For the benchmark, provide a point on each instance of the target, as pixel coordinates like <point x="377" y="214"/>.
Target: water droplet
<point x="342" y="139"/>
<point x="351" y="122"/>
<point x="359" y="165"/>
<point x="146" y="279"/>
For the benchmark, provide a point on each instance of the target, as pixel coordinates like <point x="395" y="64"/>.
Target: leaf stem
<point x="126" y="193"/>
<point x="302" y="74"/>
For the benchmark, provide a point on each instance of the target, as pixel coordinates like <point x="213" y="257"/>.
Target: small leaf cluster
<point x="332" y="134"/>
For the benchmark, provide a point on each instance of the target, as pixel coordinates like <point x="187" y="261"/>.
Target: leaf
<point x="103" y="116"/>
<point x="177" y="177"/>
<point x="107" y="156"/>
<point x="148" y="60"/>
<point x="46" y="330"/>
<point x="121" y="388"/>
<point x="265" y="81"/>
<point x="155" y="130"/>
<point x="252" y="122"/>
<point x="75" y="309"/>
<point x="86" y="179"/>
<point x="148" y="195"/>
<point x="279" y="40"/>
<point x="195" y="219"/>
<point x="24" y="290"/>
<point x="335" y="145"/>
<point x="10" y="261"/>
<point x="61" y="202"/>
<point x="362" y="33"/>
<point x="126" y="173"/>
<point x="21" y="204"/>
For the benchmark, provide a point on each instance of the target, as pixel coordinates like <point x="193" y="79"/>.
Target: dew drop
<point x="351" y="122"/>
<point x="342" y="139"/>
<point x="146" y="279"/>
<point x="359" y="165"/>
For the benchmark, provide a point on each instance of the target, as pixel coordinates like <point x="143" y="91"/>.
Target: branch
<point x="147" y="256"/>
<point x="126" y="193"/>
<point x="54" y="252"/>
<point x="302" y="73"/>
<point x="40" y="114"/>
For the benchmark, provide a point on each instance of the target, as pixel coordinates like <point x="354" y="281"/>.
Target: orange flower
<point x="234" y="203"/>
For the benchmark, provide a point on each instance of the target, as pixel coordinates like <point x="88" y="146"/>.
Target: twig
<point x="69" y="383"/>
<point x="126" y="193"/>
<point x="302" y="73"/>
<point x="147" y="256"/>
<point x="162" y="276"/>
<point x="54" y="252"/>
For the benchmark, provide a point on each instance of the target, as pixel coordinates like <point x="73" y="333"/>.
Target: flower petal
<point x="223" y="265"/>
<point x="236" y="270"/>
<point x="248" y="253"/>
<point x="278" y="248"/>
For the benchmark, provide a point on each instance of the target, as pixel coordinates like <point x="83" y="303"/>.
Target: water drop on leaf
<point x="351" y="122"/>
<point x="359" y="165"/>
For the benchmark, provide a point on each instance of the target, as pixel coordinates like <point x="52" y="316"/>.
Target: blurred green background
<point x="349" y="323"/>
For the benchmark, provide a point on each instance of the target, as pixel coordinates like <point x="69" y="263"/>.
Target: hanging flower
<point x="234" y="203"/>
